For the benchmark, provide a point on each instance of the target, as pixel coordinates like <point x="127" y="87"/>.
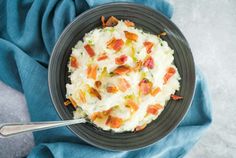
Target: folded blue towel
<point x="28" y="32"/>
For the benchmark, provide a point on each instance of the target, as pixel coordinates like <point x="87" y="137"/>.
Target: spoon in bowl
<point x="10" y="129"/>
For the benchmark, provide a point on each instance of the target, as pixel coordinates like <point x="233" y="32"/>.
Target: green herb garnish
<point x="90" y="42"/>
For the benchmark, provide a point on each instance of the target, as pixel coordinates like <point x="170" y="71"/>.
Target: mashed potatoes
<point x="121" y="77"/>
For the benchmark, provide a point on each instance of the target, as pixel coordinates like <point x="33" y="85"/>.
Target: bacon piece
<point x="112" y="21"/>
<point x="170" y="72"/>
<point x="72" y="101"/>
<point x="118" y="44"/>
<point x="112" y="89"/>
<point x="103" y="56"/>
<point x="100" y="115"/>
<point x="121" y="60"/>
<point x="123" y="69"/>
<point x="82" y="96"/>
<point x="111" y="42"/>
<point x="123" y="84"/>
<point x="138" y="65"/>
<point x="67" y="102"/>
<point x="103" y="21"/>
<point x="145" y="86"/>
<point x="96" y="115"/>
<point x="153" y="109"/>
<point x="140" y="128"/>
<point x="89" y="50"/>
<point x="149" y="62"/>
<point x="73" y="62"/>
<point x="92" y="71"/>
<point x="129" y="23"/>
<point x="162" y="34"/>
<point x="148" y="46"/>
<point x="131" y="104"/>
<point x="115" y="44"/>
<point x="95" y="93"/>
<point x="98" y="84"/>
<point x="176" y="97"/>
<point x="155" y="91"/>
<point x="107" y="112"/>
<point x="114" y="122"/>
<point x="131" y="36"/>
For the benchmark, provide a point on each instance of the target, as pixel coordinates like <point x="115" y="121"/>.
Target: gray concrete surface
<point x="210" y="28"/>
<point x="13" y="109"/>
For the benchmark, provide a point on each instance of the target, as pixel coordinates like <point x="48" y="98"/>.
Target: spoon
<point x="10" y="129"/>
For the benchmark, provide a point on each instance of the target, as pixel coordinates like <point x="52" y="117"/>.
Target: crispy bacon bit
<point x="89" y="50"/>
<point x="121" y="60"/>
<point x="103" y="56"/>
<point x="123" y="69"/>
<point x="96" y="115"/>
<point x="162" y="34"/>
<point x="114" y="122"/>
<point x="115" y="44"/>
<point x="103" y="21"/>
<point x="107" y="112"/>
<point x="145" y="86"/>
<point x="153" y="109"/>
<point x="92" y="71"/>
<point x="123" y="84"/>
<point x="72" y="101"/>
<point x="140" y="128"/>
<point x="100" y="115"/>
<point x="149" y="62"/>
<point x="112" y="89"/>
<point x="129" y="23"/>
<point x="98" y="84"/>
<point x="73" y="62"/>
<point x="176" y="97"/>
<point x="112" y="21"/>
<point x="170" y="72"/>
<point x="132" y="105"/>
<point x="111" y="42"/>
<point x="95" y="93"/>
<point x="108" y="120"/>
<point x="155" y="91"/>
<point x="148" y="46"/>
<point x="138" y="65"/>
<point x="82" y="96"/>
<point x="131" y="36"/>
<point x="118" y="44"/>
<point x="67" y="102"/>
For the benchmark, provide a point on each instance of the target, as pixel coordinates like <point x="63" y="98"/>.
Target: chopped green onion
<point x="73" y="49"/>
<point x="130" y="96"/>
<point x="90" y="42"/>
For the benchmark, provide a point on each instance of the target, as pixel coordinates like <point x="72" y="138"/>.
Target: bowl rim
<point x="112" y="4"/>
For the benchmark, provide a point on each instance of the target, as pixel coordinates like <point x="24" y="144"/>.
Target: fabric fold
<point x="28" y="32"/>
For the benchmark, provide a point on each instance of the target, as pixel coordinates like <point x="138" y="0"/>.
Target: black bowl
<point x="150" y="21"/>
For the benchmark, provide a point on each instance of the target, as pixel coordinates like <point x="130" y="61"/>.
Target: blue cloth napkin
<point x="28" y="32"/>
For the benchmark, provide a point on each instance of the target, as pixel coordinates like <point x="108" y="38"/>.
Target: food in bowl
<point x="121" y="77"/>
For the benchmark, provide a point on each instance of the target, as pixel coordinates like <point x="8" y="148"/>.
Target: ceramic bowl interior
<point x="150" y="21"/>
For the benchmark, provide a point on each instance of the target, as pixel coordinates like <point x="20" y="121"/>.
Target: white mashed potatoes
<point x="121" y="77"/>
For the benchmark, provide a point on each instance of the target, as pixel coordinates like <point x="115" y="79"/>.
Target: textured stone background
<point x="210" y="28"/>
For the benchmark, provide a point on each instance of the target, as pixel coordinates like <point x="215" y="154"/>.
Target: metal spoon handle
<point x="9" y="129"/>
